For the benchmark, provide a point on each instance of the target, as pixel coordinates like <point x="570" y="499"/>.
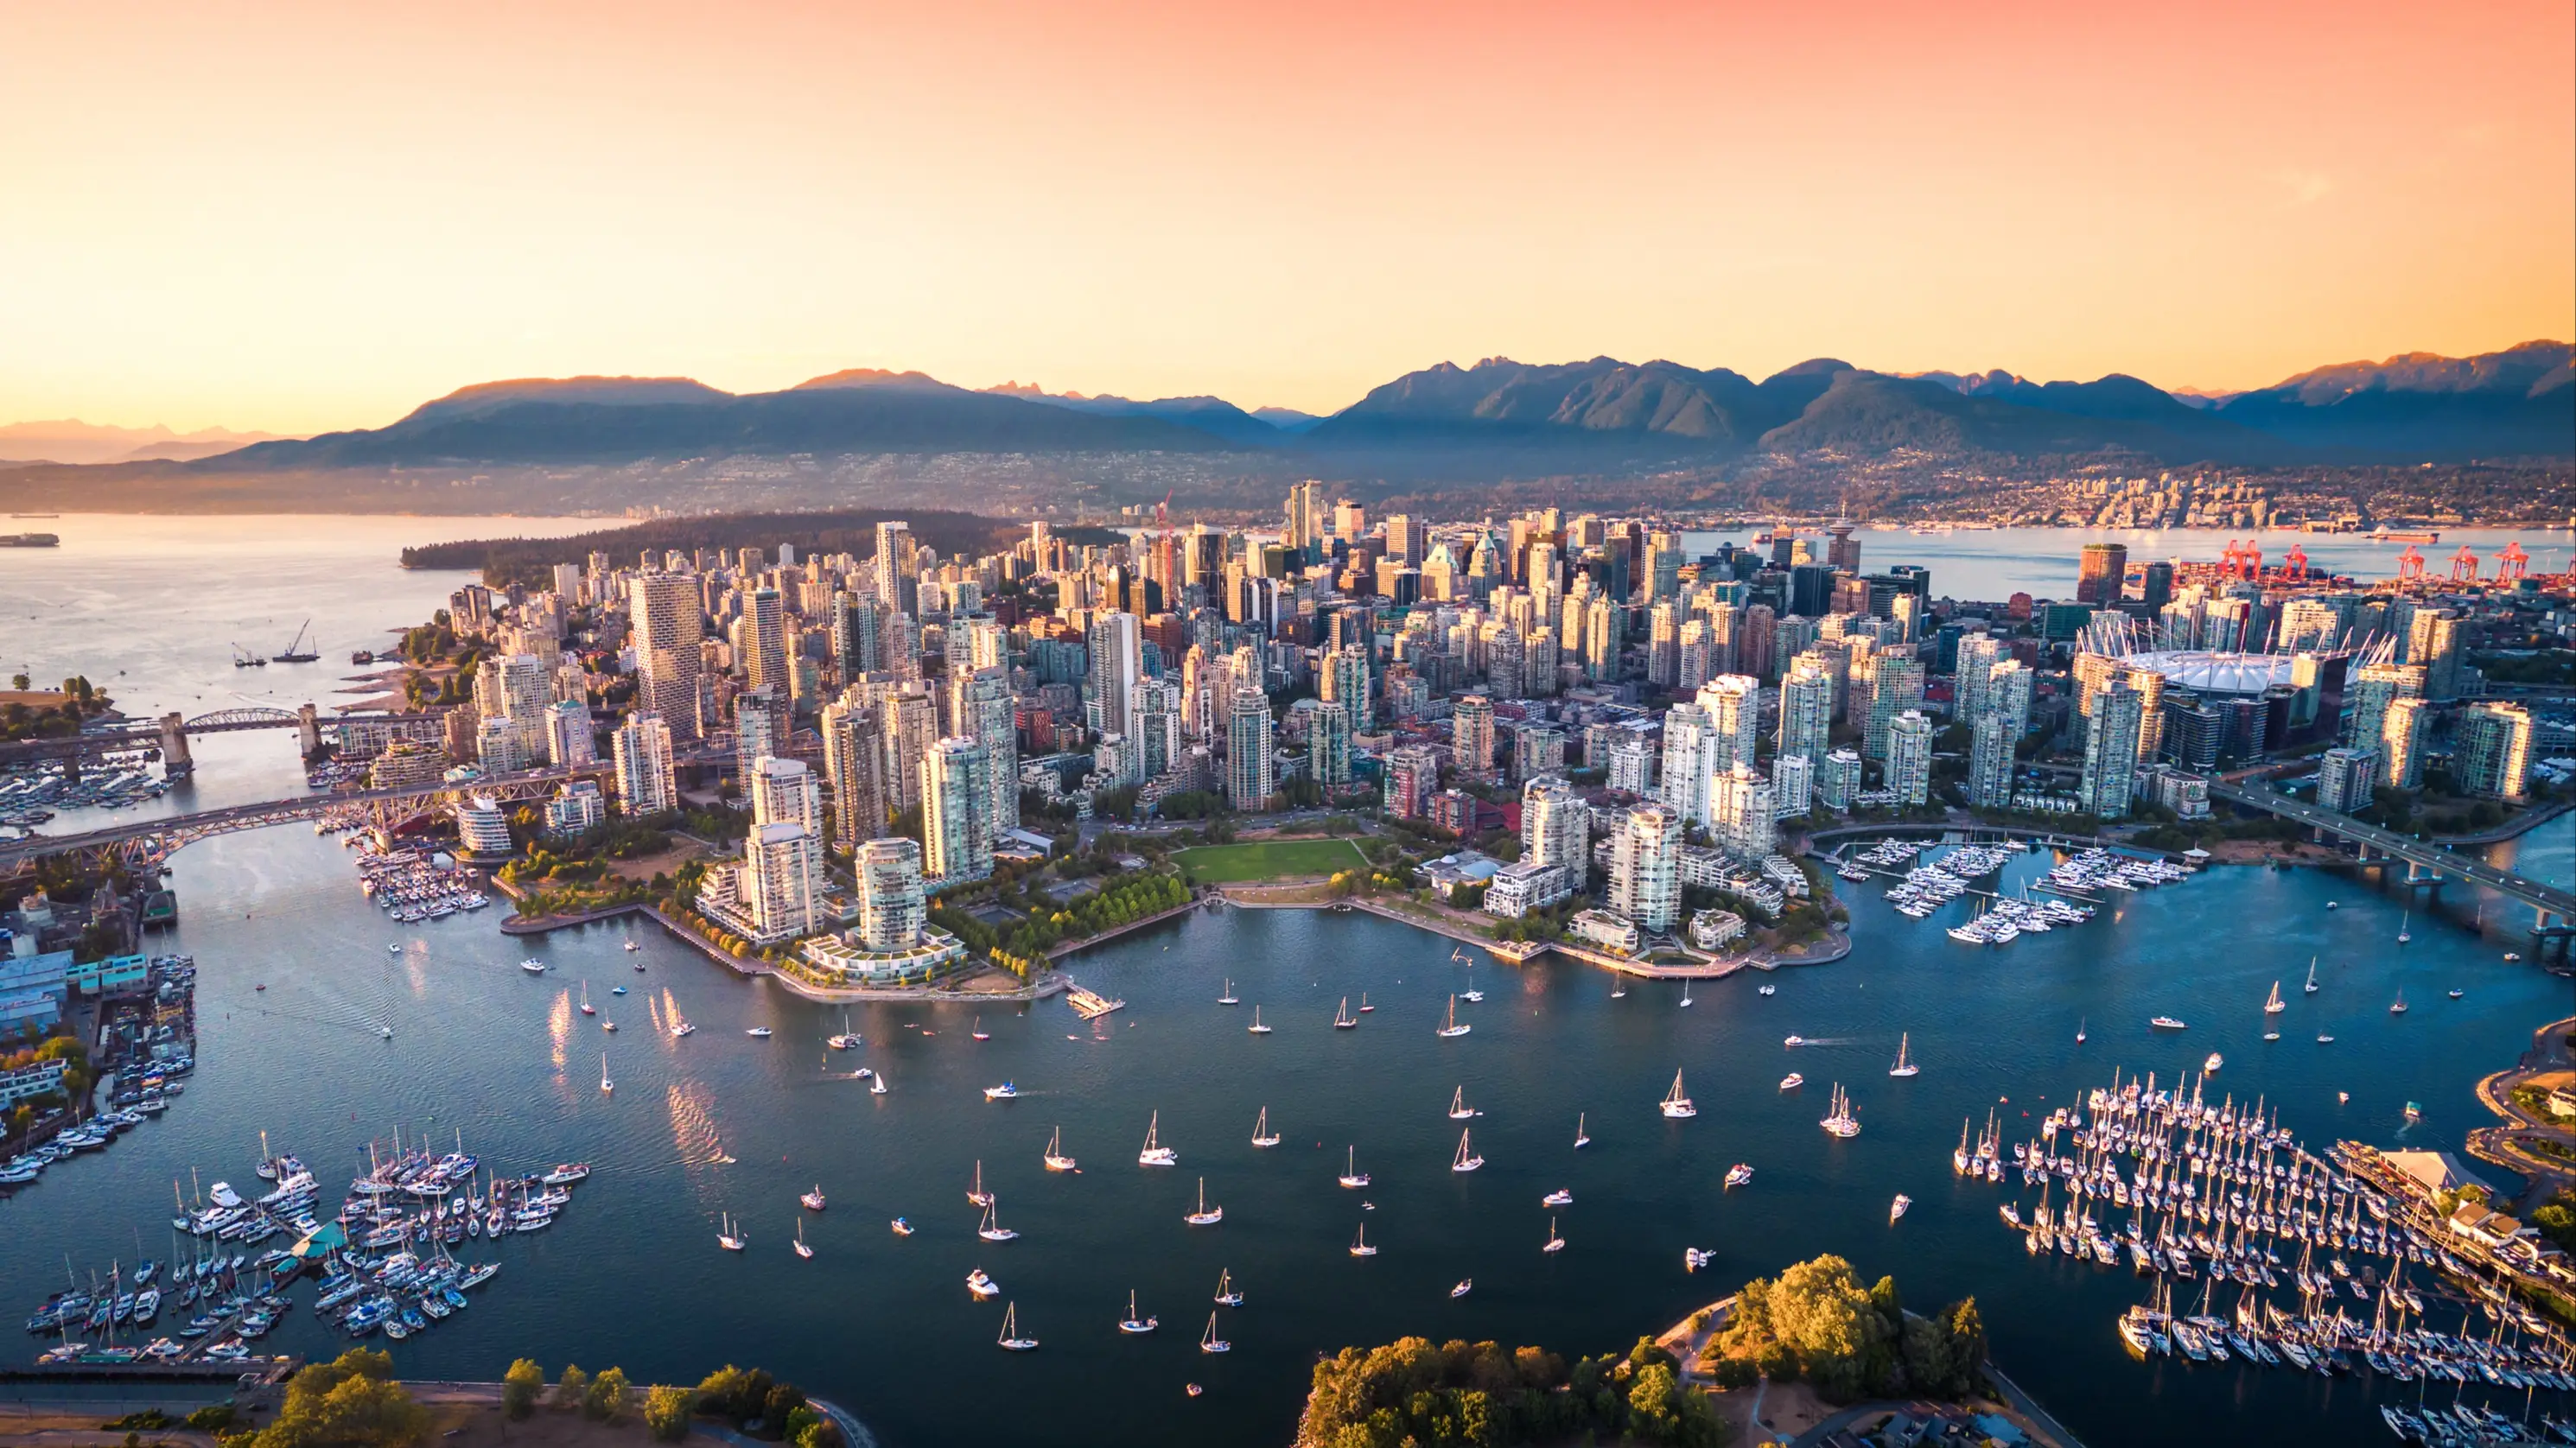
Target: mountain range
<point x="70" y="440"/>
<point x="1497" y="418"/>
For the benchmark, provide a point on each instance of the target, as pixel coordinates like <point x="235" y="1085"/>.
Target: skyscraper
<point x="1909" y="757"/>
<point x="1895" y="684"/>
<point x="956" y="810"/>
<point x="1472" y="735"/>
<point x="759" y="730"/>
<point x="1306" y="521"/>
<point x="1345" y="681"/>
<point x="1742" y="820"/>
<point x="1686" y="762"/>
<point x="1117" y="662"/>
<point x="764" y="640"/>
<point x="2111" y="751"/>
<point x="983" y="708"/>
<point x="1807" y="708"/>
<point x="784" y="791"/>
<point x="2433" y="644"/>
<point x="669" y="626"/>
<point x="1733" y="705"/>
<point x="2345" y="778"/>
<point x="642" y="747"/>
<point x="1251" y="771"/>
<point x="1412" y="778"/>
<point x="2491" y="750"/>
<point x="1328" y="744"/>
<point x="783" y="873"/>
<point x="892" y="909"/>
<point x="2403" y="724"/>
<point x="854" y="763"/>
<point x="910" y="719"/>
<point x="1645" y="868"/>
<point x="2103" y="574"/>
<point x="898" y="578"/>
<point x="568" y="738"/>
<point x="1555" y="825"/>
<point x="1793" y="785"/>
<point x="1990" y="759"/>
<point x="854" y="635"/>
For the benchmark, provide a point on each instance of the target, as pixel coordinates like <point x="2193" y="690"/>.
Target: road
<point x="2561" y="903"/>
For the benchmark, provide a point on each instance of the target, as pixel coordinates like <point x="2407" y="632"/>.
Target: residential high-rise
<point x="668" y="618"/>
<point x="1117" y="663"/>
<point x="1990" y="759"/>
<point x="1472" y="735"/>
<point x="1838" y="779"/>
<point x="984" y="708"/>
<point x="1807" y="707"/>
<point x="1742" y="820"/>
<point x="764" y="640"/>
<point x="2008" y="693"/>
<point x="642" y="749"/>
<point x="1602" y="628"/>
<point x="1328" y="744"/>
<point x="1555" y="826"/>
<point x="854" y="635"/>
<point x="1412" y="778"/>
<point x="1909" y="757"/>
<point x="1733" y="705"/>
<point x="1978" y="654"/>
<point x="910" y="719"/>
<point x="2491" y="751"/>
<point x="2433" y="644"/>
<point x="2345" y="779"/>
<point x="1663" y="646"/>
<point x="782" y="878"/>
<point x="2403" y="725"/>
<point x="898" y="576"/>
<point x="854" y="763"/>
<point x="1537" y="749"/>
<point x="1645" y="868"/>
<point x="1793" y="785"/>
<point x="569" y="744"/>
<point x="2111" y="751"/>
<point x="2370" y="689"/>
<point x="1251" y="769"/>
<point x="759" y="730"/>
<point x="892" y="908"/>
<point x="956" y="810"/>
<point x="1684" y="789"/>
<point x="2103" y="574"/>
<point x="1539" y="663"/>
<point x="784" y="791"/>
<point x="1306" y="521"/>
<point x="1344" y="680"/>
<point x="1895" y="685"/>
<point x="1693" y="664"/>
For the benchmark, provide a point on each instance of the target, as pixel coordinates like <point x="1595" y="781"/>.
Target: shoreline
<point x="1514" y="952"/>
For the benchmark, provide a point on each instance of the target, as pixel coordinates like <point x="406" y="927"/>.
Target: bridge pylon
<point x="308" y="730"/>
<point x="176" y="761"/>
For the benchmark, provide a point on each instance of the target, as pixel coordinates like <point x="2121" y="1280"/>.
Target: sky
<point x="306" y="217"/>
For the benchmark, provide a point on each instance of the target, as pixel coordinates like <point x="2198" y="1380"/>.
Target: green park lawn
<point x="1269" y="860"/>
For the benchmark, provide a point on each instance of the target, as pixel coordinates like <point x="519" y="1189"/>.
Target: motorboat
<point x="1694" y="1258"/>
<point x="1766" y="990"/>
<point x="631" y="945"/>
<point x="1792" y="1081"/>
<point x="1262" y="1135"/>
<point x="533" y="967"/>
<point x="981" y="1285"/>
<point x="1205" y="1216"/>
<point x="2455" y="992"/>
<point x="1155" y="1153"/>
<point x="758" y="1033"/>
<point x="1738" y="1174"/>
<point x="1133" y="1323"/>
<point x="1055" y="1159"/>
<point x="2166" y="1023"/>
<point x="1465" y="1286"/>
<point x="2211" y="1065"/>
<point x="2324" y="1039"/>
<point x="901" y="1227"/>
<point x="1007" y="1091"/>
<point x="1561" y="1197"/>
<point x="1896" y="1209"/>
<point x="617" y="990"/>
<point x="1352" y="1176"/>
<point x="1676" y="1104"/>
<point x="1793" y="1042"/>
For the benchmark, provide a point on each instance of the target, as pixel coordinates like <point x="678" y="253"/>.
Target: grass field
<point x="1269" y="860"/>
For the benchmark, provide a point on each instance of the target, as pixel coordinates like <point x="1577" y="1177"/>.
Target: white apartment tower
<point x="642" y="747"/>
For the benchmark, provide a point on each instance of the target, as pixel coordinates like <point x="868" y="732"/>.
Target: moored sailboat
<point x="1449" y="1024"/>
<point x="1676" y="1104"/>
<point x="1055" y="1159"/>
<point x="1352" y="1176"/>
<point x="1155" y="1153"/>
<point x="1262" y="1135"/>
<point x="1904" y="1064"/>
<point x="1205" y="1216"/>
<point x="1466" y="1159"/>
<point x="1010" y="1340"/>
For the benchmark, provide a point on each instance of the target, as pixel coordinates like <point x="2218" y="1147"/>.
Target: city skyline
<point x="381" y="208"/>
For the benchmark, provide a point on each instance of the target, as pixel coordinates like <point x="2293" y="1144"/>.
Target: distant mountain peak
<point x="482" y="397"/>
<point x="868" y="377"/>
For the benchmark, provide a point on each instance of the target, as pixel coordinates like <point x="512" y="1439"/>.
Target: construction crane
<point x="2464" y="566"/>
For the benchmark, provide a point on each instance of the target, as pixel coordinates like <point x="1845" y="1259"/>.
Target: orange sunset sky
<point x="301" y="217"/>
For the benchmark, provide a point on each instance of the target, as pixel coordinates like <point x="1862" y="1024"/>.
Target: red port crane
<point x="2295" y="562"/>
<point x="2512" y="563"/>
<point x="2410" y="564"/>
<point x="2464" y="566"/>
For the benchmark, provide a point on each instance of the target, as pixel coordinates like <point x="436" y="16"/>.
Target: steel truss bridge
<point x="170" y="733"/>
<point x="139" y="844"/>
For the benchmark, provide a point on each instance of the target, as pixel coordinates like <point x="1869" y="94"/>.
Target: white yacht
<point x="1352" y="1176"/>
<point x="1449" y="1024"/>
<point x="1465" y="1286"/>
<point x="533" y="967"/>
<point x="1256" y="1027"/>
<point x="1466" y="1159"/>
<point x="1133" y="1322"/>
<point x="1738" y="1174"/>
<point x="1841" y="1121"/>
<point x="1459" y="1110"/>
<point x="1055" y="1159"/>
<point x="1262" y="1135"/>
<point x="1896" y="1209"/>
<point x="1792" y="1081"/>
<point x="1582" y="1139"/>
<point x="1155" y="1153"/>
<point x="1007" y="1091"/>
<point x="981" y="1285"/>
<point x="1010" y="1340"/>
<point x="993" y="1230"/>
<point x="1205" y="1216"/>
<point x="1561" y="1197"/>
<point x="1360" y="1245"/>
<point x="1676" y="1104"/>
<point x="1904" y="1064"/>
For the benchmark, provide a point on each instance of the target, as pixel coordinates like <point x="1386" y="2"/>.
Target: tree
<point x="350" y="1402"/>
<point x="520" y="1387"/>
<point x="666" y="1413"/>
<point x="607" y="1396"/>
<point x="573" y="1390"/>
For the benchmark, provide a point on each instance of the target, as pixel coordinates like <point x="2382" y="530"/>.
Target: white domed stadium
<point x="2210" y="672"/>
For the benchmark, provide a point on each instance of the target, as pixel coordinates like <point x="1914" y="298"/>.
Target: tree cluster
<point x="1413" y="1394"/>
<point x="350" y="1402"/>
<point x="1816" y="1322"/>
